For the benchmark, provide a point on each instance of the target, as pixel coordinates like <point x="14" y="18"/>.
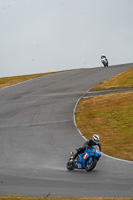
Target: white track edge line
<point x="128" y="161"/>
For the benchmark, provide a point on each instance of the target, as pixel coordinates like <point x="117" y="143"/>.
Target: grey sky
<point x="39" y="36"/>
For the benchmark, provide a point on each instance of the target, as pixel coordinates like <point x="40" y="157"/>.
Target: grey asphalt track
<point x="37" y="133"/>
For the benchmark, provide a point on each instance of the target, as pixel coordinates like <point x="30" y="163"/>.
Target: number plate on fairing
<point x="85" y="156"/>
<point x="79" y="166"/>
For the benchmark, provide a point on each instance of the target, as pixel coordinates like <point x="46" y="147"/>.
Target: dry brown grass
<point x="7" y="81"/>
<point x="110" y="116"/>
<point x="122" y="80"/>
<point x="29" y="198"/>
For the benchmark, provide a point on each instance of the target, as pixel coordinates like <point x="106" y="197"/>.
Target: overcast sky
<point x="38" y="36"/>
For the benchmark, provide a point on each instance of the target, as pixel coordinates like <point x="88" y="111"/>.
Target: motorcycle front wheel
<point x="70" y="165"/>
<point x="90" y="166"/>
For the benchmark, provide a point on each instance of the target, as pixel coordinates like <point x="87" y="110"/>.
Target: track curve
<point x="37" y="133"/>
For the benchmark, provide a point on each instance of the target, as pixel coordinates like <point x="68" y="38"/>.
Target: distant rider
<point x="88" y="144"/>
<point x="103" y="57"/>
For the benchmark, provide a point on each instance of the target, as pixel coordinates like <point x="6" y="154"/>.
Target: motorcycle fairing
<point x="88" y="154"/>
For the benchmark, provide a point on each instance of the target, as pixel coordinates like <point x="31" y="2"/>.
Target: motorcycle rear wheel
<point x="90" y="166"/>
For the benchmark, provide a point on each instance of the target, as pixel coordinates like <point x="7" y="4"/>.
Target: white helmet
<point x="96" y="138"/>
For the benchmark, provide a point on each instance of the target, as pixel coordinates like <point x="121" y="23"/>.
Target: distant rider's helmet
<point x="103" y="56"/>
<point x="96" y="138"/>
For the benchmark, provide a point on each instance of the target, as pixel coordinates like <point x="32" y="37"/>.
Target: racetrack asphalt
<point x="37" y="133"/>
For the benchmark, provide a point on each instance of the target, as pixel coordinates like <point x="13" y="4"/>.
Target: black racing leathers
<point x="90" y="143"/>
<point x="87" y="144"/>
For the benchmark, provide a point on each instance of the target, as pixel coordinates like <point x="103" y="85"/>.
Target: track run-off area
<point x="37" y="134"/>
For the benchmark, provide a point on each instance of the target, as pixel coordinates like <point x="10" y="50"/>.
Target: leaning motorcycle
<point x="87" y="160"/>
<point x="104" y="62"/>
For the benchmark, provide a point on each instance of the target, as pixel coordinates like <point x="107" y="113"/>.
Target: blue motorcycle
<point x="86" y="160"/>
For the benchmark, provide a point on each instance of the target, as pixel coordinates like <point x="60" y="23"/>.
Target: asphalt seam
<point x="36" y="124"/>
<point x="104" y="92"/>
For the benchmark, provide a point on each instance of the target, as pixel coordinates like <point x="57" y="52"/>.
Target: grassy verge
<point x="110" y="116"/>
<point x="8" y="81"/>
<point x="27" y="198"/>
<point x="122" y="80"/>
